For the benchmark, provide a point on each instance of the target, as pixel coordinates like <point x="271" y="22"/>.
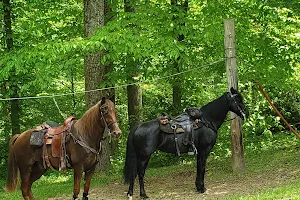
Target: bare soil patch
<point x="182" y="186"/>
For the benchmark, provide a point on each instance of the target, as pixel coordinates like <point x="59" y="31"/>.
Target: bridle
<point x="103" y="111"/>
<point x="232" y="96"/>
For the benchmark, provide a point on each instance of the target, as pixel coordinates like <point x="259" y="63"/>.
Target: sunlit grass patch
<point x="286" y="192"/>
<point x="55" y="178"/>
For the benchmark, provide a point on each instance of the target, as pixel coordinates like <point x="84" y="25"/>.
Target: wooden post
<point x="237" y="150"/>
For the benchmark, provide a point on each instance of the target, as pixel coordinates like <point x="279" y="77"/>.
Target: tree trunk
<point x="176" y="95"/>
<point x="134" y="92"/>
<point x="176" y="91"/>
<point x="176" y="87"/>
<point x="14" y="104"/>
<point x="15" y="113"/>
<point x="94" y="71"/>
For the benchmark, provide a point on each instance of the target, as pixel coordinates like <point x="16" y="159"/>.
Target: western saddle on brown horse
<point x="49" y="133"/>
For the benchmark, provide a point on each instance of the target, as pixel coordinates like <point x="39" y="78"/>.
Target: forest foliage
<point x="49" y="50"/>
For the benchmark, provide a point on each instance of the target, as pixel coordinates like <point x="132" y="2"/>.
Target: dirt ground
<point x="181" y="186"/>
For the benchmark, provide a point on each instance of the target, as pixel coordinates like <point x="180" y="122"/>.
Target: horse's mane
<point x="208" y="108"/>
<point x="90" y="122"/>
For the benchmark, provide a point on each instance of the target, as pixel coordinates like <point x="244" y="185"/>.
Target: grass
<point x="54" y="184"/>
<point x="287" y="191"/>
<point x="261" y="180"/>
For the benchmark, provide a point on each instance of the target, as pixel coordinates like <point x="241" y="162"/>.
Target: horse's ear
<point x="103" y="100"/>
<point x="112" y="98"/>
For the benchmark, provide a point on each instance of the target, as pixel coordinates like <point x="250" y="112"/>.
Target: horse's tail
<point x="13" y="171"/>
<point x="130" y="168"/>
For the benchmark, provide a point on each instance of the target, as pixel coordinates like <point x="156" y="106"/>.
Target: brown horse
<point x="82" y="149"/>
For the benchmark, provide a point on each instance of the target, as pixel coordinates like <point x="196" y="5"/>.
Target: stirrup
<point x="193" y="150"/>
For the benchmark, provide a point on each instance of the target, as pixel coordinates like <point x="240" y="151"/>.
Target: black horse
<point x="146" y="138"/>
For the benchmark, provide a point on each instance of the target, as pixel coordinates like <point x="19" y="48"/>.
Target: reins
<point x="81" y="143"/>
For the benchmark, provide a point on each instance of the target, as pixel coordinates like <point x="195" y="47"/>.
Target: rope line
<point x="113" y="87"/>
<point x="60" y="112"/>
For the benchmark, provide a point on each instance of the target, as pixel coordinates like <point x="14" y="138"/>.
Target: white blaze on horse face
<point x="130" y="197"/>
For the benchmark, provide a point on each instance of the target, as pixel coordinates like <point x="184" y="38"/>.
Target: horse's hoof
<point x="129" y="197"/>
<point x="85" y="196"/>
<point x="144" y="196"/>
<point x="201" y="190"/>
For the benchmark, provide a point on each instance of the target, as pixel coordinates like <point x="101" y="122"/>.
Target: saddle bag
<point x="37" y="138"/>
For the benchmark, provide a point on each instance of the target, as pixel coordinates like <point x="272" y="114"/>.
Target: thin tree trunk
<point x="134" y="92"/>
<point x="14" y="104"/>
<point x="176" y="91"/>
<point x="176" y="87"/>
<point x="176" y="94"/>
<point x="15" y="113"/>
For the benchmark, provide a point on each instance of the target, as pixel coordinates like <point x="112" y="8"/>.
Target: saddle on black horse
<point x="51" y="133"/>
<point x="185" y="124"/>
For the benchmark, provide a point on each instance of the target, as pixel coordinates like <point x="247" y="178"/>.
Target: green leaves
<point x="49" y="43"/>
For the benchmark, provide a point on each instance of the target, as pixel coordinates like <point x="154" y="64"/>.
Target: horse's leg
<point x="142" y="165"/>
<point x="25" y="175"/>
<point x="30" y="195"/>
<point x="87" y="182"/>
<point x="37" y="171"/>
<point x="77" y="178"/>
<point x="130" y="189"/>
<point x="201" y="163"/>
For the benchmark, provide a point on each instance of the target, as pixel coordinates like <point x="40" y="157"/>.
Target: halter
<point x="239" y="108"/>
<point x="104" y="111"/>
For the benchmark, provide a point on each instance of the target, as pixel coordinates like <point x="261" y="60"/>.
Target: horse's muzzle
<point x="117" y="134"/>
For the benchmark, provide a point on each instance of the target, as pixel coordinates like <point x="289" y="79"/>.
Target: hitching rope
<point x="118" y="86"/>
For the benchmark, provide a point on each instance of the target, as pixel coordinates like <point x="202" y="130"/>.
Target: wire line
<point x="113" y="87"/>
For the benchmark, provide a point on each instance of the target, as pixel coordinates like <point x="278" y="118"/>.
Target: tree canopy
<point x="49" y="49"/>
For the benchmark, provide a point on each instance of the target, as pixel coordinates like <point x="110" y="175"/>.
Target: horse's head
<point x="109" y="116"/>
<point x="236" y="103"/>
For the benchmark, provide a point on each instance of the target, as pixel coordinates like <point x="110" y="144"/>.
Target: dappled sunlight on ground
<point x="221" y="182"/>
<point x="181" y="186"/>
